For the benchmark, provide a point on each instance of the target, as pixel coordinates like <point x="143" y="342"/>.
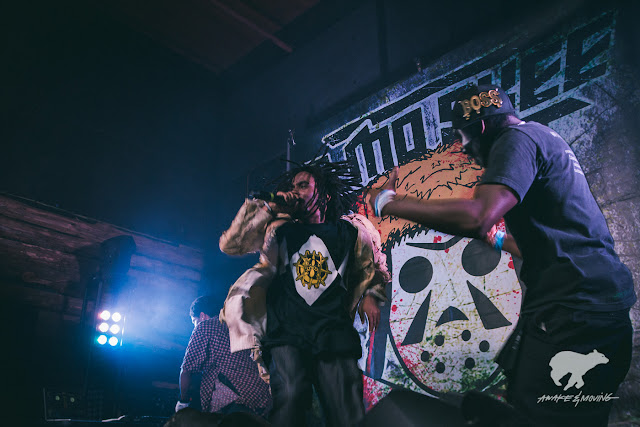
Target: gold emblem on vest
<point x="312" y="269"/>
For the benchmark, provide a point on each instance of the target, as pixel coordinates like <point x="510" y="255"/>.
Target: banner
<point x="453" y="301"/>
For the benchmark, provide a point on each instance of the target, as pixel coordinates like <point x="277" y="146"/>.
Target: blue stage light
<point x="110" y="327"/>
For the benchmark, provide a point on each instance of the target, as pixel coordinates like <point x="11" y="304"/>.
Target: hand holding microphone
<point x="277" y="202"/>
<point x="268" y="197"/>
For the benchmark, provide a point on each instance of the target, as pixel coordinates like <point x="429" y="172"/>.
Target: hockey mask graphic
<point x="454" y="303"/>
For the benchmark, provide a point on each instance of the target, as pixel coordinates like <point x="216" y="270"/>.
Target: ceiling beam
<point x="251" y="24"/>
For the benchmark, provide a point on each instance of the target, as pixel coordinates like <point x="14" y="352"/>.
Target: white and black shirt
<point x="307" y="302"/>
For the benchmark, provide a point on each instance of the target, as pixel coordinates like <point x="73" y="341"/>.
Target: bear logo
<point x="576" y="364"/>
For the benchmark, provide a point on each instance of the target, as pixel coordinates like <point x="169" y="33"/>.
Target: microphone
<point x="268" y="197"/>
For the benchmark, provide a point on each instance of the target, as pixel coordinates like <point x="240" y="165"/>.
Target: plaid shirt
<point x="208" y="352"/>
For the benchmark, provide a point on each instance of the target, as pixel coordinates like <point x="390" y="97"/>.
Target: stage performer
<point x="296" y="307"/>
<point x="230" y="382"/>
<point x="578" y="292"/>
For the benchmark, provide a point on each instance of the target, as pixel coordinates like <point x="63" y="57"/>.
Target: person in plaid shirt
<point x="230" y="381"/>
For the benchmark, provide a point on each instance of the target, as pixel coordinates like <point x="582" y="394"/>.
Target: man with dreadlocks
<point x="317" y="267"/>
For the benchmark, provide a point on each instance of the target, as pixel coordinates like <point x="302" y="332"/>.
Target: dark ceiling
<point x="117" y="110"/>
<point x="214" y="33"/>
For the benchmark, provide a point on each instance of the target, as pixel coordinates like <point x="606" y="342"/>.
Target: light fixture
<point x="110" y="327"/>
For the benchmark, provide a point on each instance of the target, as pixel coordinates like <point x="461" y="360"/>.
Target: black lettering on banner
<point x="408" y="136"/>
<point x="444" y="105"/>
<point x="370" y="152"/>
<point x="539" y="80"/>
<point x="486" y="80"/>
<point x="579" y="70"/>
<point x="537" y="69"/>
<point x="508" y="78"/>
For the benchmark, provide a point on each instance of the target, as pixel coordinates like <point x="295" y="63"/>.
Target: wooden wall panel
<point x="48" y="258"/>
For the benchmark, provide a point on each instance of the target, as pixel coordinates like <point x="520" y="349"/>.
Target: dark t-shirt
<point x="567" y="250"/>
<point x="307" y="302"/>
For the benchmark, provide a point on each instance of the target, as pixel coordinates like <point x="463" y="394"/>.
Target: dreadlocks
<point x="333" y="179"/>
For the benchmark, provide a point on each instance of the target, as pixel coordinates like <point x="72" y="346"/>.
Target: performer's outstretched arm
<point x="463" y="217"/>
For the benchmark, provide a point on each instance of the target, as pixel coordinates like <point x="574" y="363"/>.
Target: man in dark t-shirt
<point x="575" y="314"/>
<point x="567" y="249"/>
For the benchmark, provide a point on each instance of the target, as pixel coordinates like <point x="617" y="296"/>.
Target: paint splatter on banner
<point x="454" y="300"/>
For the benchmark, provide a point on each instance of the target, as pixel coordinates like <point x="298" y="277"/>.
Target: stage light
<point x="110" y="327"/>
